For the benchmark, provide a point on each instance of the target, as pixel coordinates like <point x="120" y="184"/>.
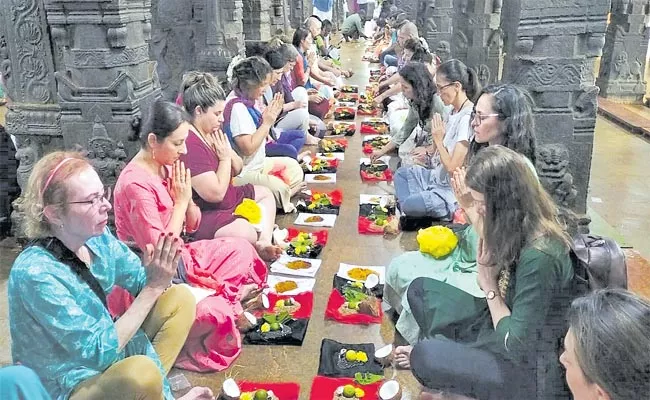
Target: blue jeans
<point x="390" y="60"/>
<point x="18" y="382"/>
<point x="288" y="144"/>
<point x="411" y="204"/>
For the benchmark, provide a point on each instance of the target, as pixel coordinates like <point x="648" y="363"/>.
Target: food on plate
<point x="348" y="392"/>
<point x="302" y="244"/>
<point x="285" y="286"/>
<point x="314" y="218"/>
<point x="289" y="305"/>
<point x="343" y="113"/>
<point x="298" y="264"/>
<point x="360" y="273"/>
<point x="342" y="128"/>
<point x="349" y="89"/>
<point x="321" y="178"/>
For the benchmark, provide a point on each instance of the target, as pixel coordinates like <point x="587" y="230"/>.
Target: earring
<point x="153" y="154"/>
<point x="61" y="226"/>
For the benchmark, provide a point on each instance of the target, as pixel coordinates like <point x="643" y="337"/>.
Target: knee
<point x="16" y="376"/>
<point x="421" y="362"/>
<point x="146" y="383"/>
<point x="415" y="291"/>
<point x="179" y="303"/>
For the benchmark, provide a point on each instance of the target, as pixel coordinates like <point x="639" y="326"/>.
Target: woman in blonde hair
<point x="525" y="272"/>
<point x="213" y="164"/>
<point x="58" y="313"/>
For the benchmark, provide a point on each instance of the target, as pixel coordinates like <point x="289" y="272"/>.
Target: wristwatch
<point x="490" y="295"/>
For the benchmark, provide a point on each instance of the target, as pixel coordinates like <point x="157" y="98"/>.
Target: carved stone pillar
<point x="103" y="74"/>
<point x="223" y="33"/>
<point x="551" y="47"/>
<point x="257" y="19"/>
<point x="434" y="21"/>
<point x="27" y="67"/>
<point x="622" y="66"/>
<point x="477" y="37"/>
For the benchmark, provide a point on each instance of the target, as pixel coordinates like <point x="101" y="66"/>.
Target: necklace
<point x="461" y="106"/>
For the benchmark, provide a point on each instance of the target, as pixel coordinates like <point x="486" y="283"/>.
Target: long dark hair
<point x="456" y="71"/>
<point x="518" y="209"/>
<point x="162" y="119"/>
<point x="417" y="75"/>
<point x="298" y="36"/>
<point x="515" y="108"/>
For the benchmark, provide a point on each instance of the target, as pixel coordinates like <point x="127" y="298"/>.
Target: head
<point x="314" y="26"/>
<point x="251" y="77"/>
<point x="302" y="39"/>
<point x="410" y="47"/>
<point x="164" y="131"/>
<point x="407" y="31"/>
<point x="417" y="86"/>
<point x="456" y="80"/>
<point x="421" y="55"/>
<point x="278" y="63"/>
<point x="326" y="29"/>
<point x="606" y="353"/>
<point x="362" y="14"/>
<point x="204" y="100"/>
<point x="512" y="205"/>
<point x="65" y="198"/>
<point x="503" y="114"/>
<point x="290" y="55"/>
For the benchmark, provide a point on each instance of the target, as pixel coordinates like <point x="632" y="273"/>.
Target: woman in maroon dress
<point x="213" y="164"/>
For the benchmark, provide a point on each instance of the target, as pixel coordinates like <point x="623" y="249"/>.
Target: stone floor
<point x="620" y="162"/>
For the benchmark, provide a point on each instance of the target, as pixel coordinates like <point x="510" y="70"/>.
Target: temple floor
<point x="620" y="192"/>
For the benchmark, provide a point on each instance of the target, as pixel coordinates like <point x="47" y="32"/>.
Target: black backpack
<point x="598" y="263"/>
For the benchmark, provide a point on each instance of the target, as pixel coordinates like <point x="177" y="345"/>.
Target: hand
<point x="220" y="145"/>
<point x="461" y="191"/>
<point x="300" y="104"/>
<point x="438" y="128"/>
<point x="311" y="58"/>
<point x="316" y="98"/>
<point x="419" y="151"/>
<point x="488" y="273"/>
<point x="161" y="261"/>
<point x="272" y="112"/>
<point x="180" y="184"/>
<point x="376" y="154"/>
<point x="378" y="101"/>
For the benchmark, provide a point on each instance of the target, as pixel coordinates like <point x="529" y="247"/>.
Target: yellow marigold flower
<point x="359" y="393"/>
<point x="246" y="396"/>
<point x="249" y="209"/>
<point x="362" y="356"/>
<point x="437" y="241"/>
<point x="317" y="196"/>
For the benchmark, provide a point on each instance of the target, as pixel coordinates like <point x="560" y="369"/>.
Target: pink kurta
<point x="143" y="207"/>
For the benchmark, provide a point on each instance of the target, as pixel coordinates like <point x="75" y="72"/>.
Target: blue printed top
<point x="59" y="327"/>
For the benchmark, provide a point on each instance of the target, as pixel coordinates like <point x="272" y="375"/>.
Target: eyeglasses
<point x="480" y="117"/>
<point x="440" y="88"/>
<point x="97" y="200"/>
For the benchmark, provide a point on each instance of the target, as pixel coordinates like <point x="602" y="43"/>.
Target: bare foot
<point x="302" y="186"/>
<point x="403" y="356"/>
<point x="267" y="251"/>
<point x="249" y="291"/>
<point x="304" y="154"/>
<point x="311" y="140"/>
<point x="198" y="393"/>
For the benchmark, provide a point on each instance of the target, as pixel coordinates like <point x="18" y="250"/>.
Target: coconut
<point x="371" y="281"/>
<point x="230" y="390"/>
<point x="261" y="301"/>
<point x="280" y="238"/>
<point x="385" y="355"/>
<point x="390" y="390"/>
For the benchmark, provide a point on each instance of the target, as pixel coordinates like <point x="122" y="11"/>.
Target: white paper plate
<point x="335" y="156"/>
<point x="279" y="266"/>
<point x="367" y="138"/>
<point x="344" y="268"/>
<point x="375" y="198"/>
<point x="309" y="178"/>
<point x="304" y="284"/>
<point x="327" y="222"/>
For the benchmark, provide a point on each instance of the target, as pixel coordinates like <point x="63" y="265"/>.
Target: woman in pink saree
<point x="153" y="194"/>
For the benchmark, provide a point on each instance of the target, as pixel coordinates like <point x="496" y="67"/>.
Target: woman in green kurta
<point x="502" y="115"/>
<point x="481" y="347"/>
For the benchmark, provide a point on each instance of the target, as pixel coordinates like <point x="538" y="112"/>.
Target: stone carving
<point x="484" y="75"/>
<point x="102" y="58"/>
<point x="27" y="155"/>
<point x="553" y="170"/>
<point x="443" y="50"/>
<point x="107" y="156"/>
<point x="623" y="59"/>
<point x="434" y="18"/>
<point x="553" y="57"/>
<point x="496" y="6"/>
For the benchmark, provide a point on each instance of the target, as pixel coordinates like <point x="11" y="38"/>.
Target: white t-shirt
<point x="241" y="123"/>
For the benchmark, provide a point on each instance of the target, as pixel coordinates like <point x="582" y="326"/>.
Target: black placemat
<point x="339" y="283"/>
<point x="329" y="351"/>
<point x="297" y="336"/>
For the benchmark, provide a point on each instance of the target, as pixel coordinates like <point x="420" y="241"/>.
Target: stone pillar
<point x="551" y="50"/>
<point x="411" y="8"/>
<point x="434" y="21"/>
<point x="257" y="19"/>
<point x="103" y="74"/>
<point x="298" y="10"/>
<point x="477" y="37"/>
<point x="194" y="34"/>
<point x="27" y="67"/>
<point x="622" y="66"/>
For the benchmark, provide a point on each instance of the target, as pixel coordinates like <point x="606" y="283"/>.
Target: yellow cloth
<point x="438" y="241"/>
